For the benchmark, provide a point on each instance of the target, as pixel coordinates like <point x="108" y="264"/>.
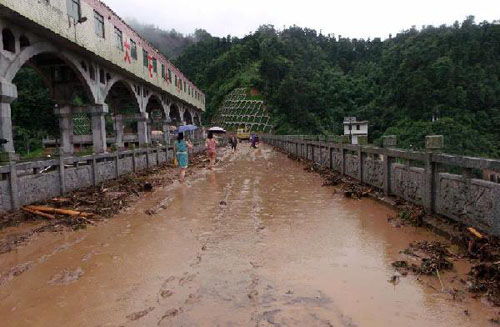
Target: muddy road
<point x="257" y="242"/>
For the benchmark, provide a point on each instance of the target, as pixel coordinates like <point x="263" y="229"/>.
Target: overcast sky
<point x="349" y="18"/>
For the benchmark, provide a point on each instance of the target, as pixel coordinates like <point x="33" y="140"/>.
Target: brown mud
<point x="482" y="251"/>
<point x="254" y="243"/>
<point x="103" y="201"/>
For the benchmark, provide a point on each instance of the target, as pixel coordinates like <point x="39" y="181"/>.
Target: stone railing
<point x="29" y="182"/>
<point x="418" y="177"/>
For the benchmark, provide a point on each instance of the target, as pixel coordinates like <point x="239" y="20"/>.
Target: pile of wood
<point x="50" y="213"/>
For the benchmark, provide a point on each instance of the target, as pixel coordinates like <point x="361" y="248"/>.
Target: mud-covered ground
<point x="257" y="242"/>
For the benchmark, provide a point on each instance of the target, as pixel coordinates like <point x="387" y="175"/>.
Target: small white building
<point x="355" y="128"/>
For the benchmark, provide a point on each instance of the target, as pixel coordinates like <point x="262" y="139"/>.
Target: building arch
<point x="42" y="48"/>
<point x="175" y="114"/>
<point x="124" y="84"/>
<point x="188" y="118"/>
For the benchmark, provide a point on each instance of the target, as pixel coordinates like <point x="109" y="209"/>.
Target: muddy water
<point x="257" y="242"/>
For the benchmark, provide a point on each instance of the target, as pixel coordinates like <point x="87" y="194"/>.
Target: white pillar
<point x="8" y="93"/>
<point x="166" y="131"/>
<point x="65" y="128"/>
<point x="119" y="131"/>
<point x="98" y="113"/>
<point x="142" y="129"/>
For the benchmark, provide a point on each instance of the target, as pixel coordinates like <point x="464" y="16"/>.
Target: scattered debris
<point x="430" y="258"/>
<point x="66" y="277"/>
<point x="485" y="279"/>
<point x="138" y="315"/>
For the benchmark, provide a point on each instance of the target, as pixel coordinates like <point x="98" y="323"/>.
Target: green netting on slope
<point x="239" y="110"/>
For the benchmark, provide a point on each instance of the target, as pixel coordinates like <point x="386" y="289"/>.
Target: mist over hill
<point x="170" y="42"/>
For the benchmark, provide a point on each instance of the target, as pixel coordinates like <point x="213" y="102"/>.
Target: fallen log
<point x="38" y="213"/>
<point x="66" y="212"/>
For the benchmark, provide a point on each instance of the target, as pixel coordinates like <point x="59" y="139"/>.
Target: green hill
<point x="442" y="80"/>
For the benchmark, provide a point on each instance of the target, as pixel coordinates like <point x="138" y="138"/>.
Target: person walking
<point x="210" y="145"/>
<point x="234" y="143"/>
<point x="181" y="150"/>
<point x="253" y="140"/>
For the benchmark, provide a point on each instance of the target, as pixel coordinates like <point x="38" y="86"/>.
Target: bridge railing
<point x="441" y="183"/>
<point x="29" y="182"/>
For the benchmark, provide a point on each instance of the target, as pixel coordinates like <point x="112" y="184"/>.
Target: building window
<point x="73" y="7"/>
<point x="176" y="83"/>
<point x="169" y="75"/>
<point x="9" y="41"/>
<point x="133" y="49"/>
<point x="155" y="65"/>
<point x="118" y="39"/>
<point x="184" y="86"/>
<point x="145" y="60"/>
<point x="357" y="127"/>
<point x="163" y="71"/>
<point x="24" y="42"/>
<point x="102" y="77"/>
<point x="99" y="24"/>
<point x="92" y="72"/>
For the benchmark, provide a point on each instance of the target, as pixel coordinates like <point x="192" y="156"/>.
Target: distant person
<point x="253" y="140"/>
<point x="210" y="145"/>
<point x="181" y="150"/>
<point x="234" y="143"/>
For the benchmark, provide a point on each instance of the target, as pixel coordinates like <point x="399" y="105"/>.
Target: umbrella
<point x="186" y="128"/>
<point x="217" y="130"/>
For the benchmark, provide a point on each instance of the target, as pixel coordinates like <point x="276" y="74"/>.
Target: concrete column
<point x="166" y="132"/>
<point x="119" y="127"/>
<point x="99" y="127"/>
<point x="65" y="116"/>
<point x="142" y="129"/>
<point x="8" y="93"/>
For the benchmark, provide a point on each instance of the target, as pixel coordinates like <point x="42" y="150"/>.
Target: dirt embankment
<point x="431" y="258"/>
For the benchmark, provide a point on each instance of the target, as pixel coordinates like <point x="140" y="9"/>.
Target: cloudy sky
<point x="350" y="18"/>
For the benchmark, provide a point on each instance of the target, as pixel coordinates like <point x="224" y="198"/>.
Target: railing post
<point x="312" y="152"/>
<point x="433" y="143"/>
<point x="117" y="164"/>
<point x="429" y="183"/>
<point x="387" y="172"/>
<point x="360" y="163"/>
<point x="14" y="195"/>
<point x="330" y="156"/>
<point x="342" y="158"/>
<point x="62" y="178"/>
<point x="389" y="141"/>
<point x="134" y="163"/>
<point x="94" y="170"/>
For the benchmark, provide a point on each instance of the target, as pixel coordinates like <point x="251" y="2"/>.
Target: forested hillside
<point x="442" y="80"/>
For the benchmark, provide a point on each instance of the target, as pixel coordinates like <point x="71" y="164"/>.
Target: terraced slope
<point x="239" y="110"/>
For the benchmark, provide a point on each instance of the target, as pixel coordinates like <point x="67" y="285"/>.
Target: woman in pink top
<point x="210" y="144"/>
